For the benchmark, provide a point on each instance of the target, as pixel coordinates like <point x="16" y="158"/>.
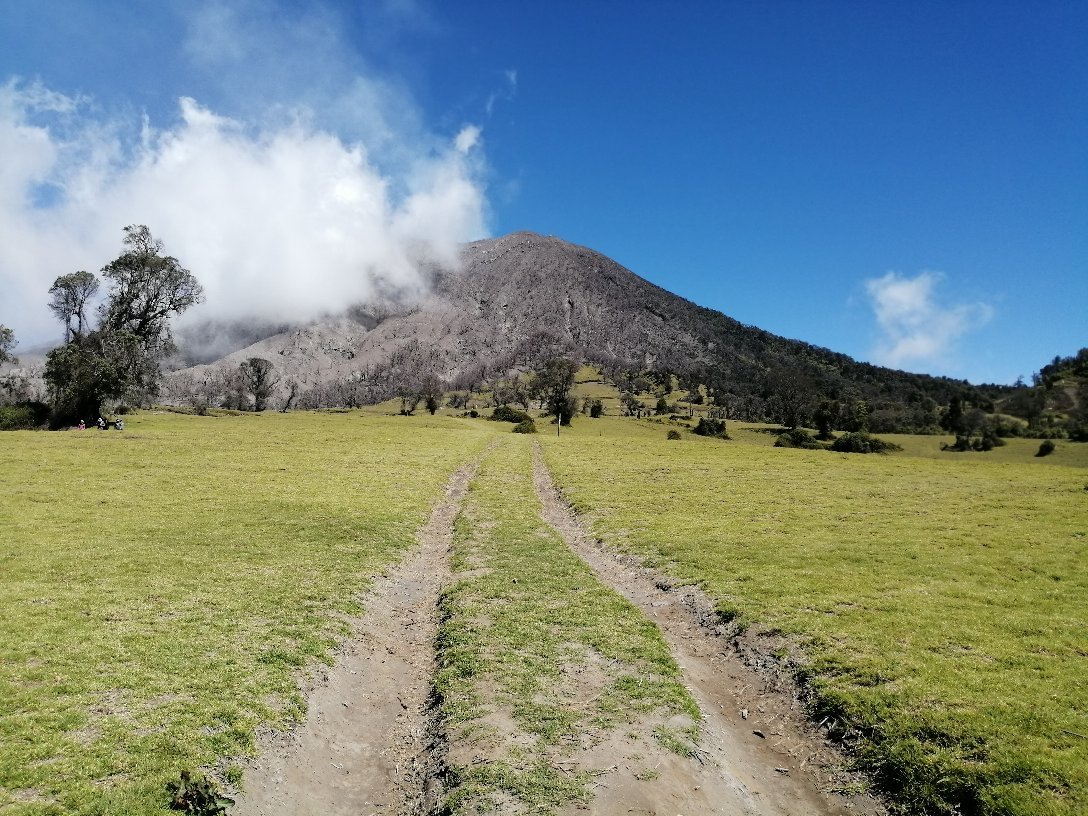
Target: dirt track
<point x="367" y="745"/>
<point x="370" y="745"/>
<point x="790" y="769"/>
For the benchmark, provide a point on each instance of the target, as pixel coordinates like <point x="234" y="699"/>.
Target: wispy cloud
<point x="316" y="179"/>
<point x="504" y="94"/>
<point x="916" y="329"/>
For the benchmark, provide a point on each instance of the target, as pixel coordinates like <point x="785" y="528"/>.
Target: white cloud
<point x="916" y="329"/>
<point x="467" y="139"/>
<point x="277" y="218"/>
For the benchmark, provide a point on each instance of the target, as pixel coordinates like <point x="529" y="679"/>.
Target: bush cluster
<point x="860" y="442"/>
<point x="710" y="427"/>
<point x="504" y="413"/>
<point x="797" y="438"/>
<point x="525" y="426"/>
<point x="23" y="416"/>
<point x="674" y="434"/>
<point x="1046" y="448"/>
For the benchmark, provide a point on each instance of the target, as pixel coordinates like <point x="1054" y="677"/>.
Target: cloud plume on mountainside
<point x="279" y="219"/>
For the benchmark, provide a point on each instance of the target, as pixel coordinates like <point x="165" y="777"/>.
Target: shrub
<point x="861" y="442"/>
<point x="797" y="438"/>
<point x="199" y="797"/>
<point x="504" y="413"/>
<point x="674" y="434"/>
<point x="525" y="426"/>
<point x="596" y="408"/>
<point x="23" y="416"/>
<point x="1046" y="448"/>
<point x="711" y="427"/>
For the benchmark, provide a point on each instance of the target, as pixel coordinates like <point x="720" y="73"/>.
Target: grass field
<point x="941" y="602"/>
<point x="162" y="587"/>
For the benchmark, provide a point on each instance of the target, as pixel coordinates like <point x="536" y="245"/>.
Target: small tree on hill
<point x="824" y="417"/>
<point x="554" y="383"/>
<point x="631" y="404"/>
<point x="7" y="343"/>
<point x="260" y="380"/>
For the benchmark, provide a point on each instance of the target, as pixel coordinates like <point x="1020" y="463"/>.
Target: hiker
<point x="101" y="424"/>
<point x="119" y="424"/>
<point x="82" y="425"/>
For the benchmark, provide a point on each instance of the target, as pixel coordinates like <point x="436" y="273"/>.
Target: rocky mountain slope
<point x="523" y="297"/>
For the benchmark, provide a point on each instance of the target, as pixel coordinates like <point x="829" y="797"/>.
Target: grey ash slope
<point x="521" y="297"/>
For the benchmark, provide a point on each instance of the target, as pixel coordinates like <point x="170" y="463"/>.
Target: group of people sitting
<point x="118" y="423"/>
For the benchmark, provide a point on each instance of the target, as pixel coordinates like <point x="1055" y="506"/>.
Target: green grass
<point x="162" y="588"/>
<point x="526" y="625"/>
<point x="942" y="601"/>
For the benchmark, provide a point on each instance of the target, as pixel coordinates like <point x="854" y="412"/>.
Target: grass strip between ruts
<point x="525" y="624"/>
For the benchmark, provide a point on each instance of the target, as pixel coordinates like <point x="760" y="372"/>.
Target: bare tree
<point x="68" y="301"/>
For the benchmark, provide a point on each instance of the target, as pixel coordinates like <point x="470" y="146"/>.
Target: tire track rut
<point x="774" y="762"/>
<point x="368" y="744"/>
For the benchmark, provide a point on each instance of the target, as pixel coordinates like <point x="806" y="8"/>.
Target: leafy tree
<point x="120" y="359"/>
<point x="824" y="418"/>
<point x="790" y="393"/>
<point x="513" y="390"/>
<point x="953" y="419"/>
<point x="662" y="406"/>
<point x="631" y="404"/>
<point x="148" y="288"/>
<point x="260" y="380"/>
<point x="430" y="392"/>
<point x="554" y="383"/>
<point x="7" y="343"/>
<point x="69" y="295"/>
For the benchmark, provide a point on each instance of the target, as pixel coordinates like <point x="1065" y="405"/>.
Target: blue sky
<point x="905" y="183"/>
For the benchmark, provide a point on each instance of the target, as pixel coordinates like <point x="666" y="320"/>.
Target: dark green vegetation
<point x="862" y="443"/>
<point x="938" y="604"/>
<point x="199" y="797"/>
<point x="119" y="360"/>
<point x="504" y="413"/>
